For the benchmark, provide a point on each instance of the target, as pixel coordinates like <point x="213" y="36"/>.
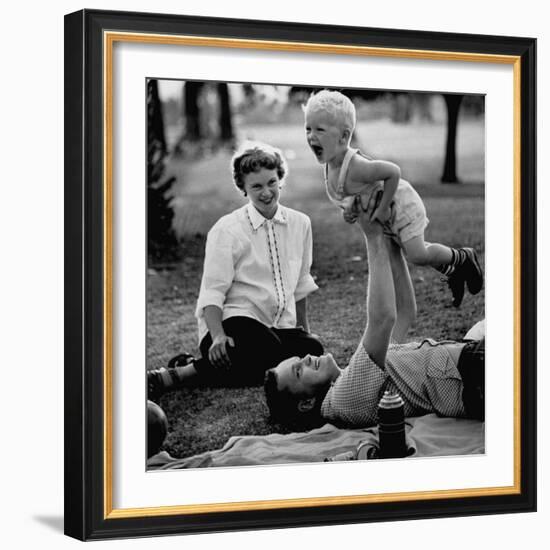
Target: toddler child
<point x="329" y="123"/>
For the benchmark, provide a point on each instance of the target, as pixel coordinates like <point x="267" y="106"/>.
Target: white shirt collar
<point x="257" y="220"/>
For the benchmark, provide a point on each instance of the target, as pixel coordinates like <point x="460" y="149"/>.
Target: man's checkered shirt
<point x="423" y="373"/>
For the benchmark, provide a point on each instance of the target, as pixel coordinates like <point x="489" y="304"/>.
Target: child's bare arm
<point x="364" y="171"/>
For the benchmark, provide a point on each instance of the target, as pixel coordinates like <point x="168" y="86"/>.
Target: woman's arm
<point x="217" y="353"/>
<point x="301" y="314"/>
<point x="306" y="284"/>
<point x="217" y="278"/>
<point x="220" y="257"/>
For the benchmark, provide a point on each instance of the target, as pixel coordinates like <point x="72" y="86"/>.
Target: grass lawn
<point x="203" y="419"/>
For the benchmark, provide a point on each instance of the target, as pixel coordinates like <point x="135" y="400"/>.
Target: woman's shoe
<point x="180" y="360"/>
<point x="156" y="379"/>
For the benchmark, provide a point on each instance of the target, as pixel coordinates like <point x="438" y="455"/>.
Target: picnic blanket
<point x="427" y="435"/>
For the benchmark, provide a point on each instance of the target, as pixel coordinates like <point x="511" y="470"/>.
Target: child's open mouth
<point x="317" y="150"/>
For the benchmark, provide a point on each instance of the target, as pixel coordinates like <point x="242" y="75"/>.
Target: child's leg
<point x="439" y="256"/>
<point x="459" y="265"/>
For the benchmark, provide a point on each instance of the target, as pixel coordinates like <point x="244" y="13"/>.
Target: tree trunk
<point x="159" y="213"/>
<point x="191" y="110"/>
<point x="226" y="124"/>
<point x="155" y="122"/>
<point x="452" y="101"/>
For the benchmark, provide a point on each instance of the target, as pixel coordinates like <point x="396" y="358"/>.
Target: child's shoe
<point x="180" y="360"/>
<point x="472" y="271"/>
<point x="456" y="283"/>
<point x="467" y="273"/>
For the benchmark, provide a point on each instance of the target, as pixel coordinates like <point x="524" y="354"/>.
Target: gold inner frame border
<point x="109" y="40"/>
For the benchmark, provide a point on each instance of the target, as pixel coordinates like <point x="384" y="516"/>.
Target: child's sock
<point x="459" y="256"/>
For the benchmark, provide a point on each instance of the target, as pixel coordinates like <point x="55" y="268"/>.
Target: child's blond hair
<point x="336" y="104"/>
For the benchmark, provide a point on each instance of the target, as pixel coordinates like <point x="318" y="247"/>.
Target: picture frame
<point x="90" y="161"/>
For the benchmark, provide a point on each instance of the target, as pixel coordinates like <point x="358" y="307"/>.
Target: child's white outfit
<point x="408" y="215"/>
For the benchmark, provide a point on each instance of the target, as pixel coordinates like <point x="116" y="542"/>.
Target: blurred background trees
<point x="206" y="116"/>
<point x="193" y="120"/>
<point x="406" y="105"/>
<point x="160" y="233"/>
<point x="452" y="102"/>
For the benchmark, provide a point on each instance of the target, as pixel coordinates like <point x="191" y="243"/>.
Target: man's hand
<point x="350" y="209"/>
<point x="367" y="221"/>
<point x="350" y="216"/>
<point x="218" y="351"/>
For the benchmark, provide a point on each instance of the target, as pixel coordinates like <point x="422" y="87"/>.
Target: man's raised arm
<point x="381" y="310"/>
<point x="405" y="301"/>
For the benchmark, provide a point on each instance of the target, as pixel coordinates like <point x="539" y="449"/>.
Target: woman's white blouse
<point x="255" y="267"/>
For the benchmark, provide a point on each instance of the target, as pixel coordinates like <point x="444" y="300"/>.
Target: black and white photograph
<point x="315" y="274"/>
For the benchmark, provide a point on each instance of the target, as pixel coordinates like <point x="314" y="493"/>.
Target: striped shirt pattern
<point x="275" y="261"/>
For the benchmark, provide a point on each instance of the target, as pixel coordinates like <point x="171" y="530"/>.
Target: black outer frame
<point x="84" y="253"/>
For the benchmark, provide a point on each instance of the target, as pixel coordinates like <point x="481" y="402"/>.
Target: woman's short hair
<point x="336" y="105"/>
<point x="252" y="156"/>
<point x="284" y="406"/>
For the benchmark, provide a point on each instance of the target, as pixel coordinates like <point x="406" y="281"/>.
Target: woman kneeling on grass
<point x="446" y="378"/>
<point x="252" y="305"/>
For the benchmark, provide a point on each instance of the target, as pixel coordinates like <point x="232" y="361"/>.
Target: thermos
<point x="391" y="426"/>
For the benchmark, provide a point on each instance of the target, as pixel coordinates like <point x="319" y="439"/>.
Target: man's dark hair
<point x="283" y="406"/>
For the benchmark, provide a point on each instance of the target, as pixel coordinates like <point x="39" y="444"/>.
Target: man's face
<point x="305" y="377"/>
